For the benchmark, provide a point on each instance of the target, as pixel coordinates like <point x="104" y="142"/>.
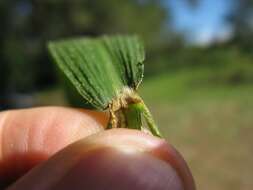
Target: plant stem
<point x="133" y="118"/>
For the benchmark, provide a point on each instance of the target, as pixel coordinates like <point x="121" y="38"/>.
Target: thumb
<point x="115" y="159"/>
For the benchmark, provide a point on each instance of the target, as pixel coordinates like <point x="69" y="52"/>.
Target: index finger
<point x="30" y="136"/>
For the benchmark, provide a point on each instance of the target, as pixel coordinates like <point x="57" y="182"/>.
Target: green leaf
<point x="100" y="68"/>
<point x="107" y="71"/>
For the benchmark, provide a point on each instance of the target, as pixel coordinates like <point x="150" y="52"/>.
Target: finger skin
<point x="114" y="159"/>
<point x="30" y="136"/>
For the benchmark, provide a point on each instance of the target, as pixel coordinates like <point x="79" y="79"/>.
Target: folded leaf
<point x="107" y="71"/>
<point x="100" y="68"/>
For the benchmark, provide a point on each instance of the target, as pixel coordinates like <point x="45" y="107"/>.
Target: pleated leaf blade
<point x="100" y="68"/>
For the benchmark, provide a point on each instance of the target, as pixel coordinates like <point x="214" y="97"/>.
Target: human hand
<point x="63" y="148"/>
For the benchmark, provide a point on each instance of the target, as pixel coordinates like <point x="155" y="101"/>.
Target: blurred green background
<point x="198" y="72"/>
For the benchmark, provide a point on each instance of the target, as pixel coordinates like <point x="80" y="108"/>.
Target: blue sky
<point x="203" y="23"/>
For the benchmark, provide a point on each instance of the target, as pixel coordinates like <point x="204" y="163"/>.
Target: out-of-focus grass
<point x="210" y="124"/>
<point x="200" y="83"/>
<point x="209" y="121"/>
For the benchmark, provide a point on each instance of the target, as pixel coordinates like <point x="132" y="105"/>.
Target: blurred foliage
<point x="242" y="21"/>
<point x="225" y="63"/>
<point x="26" y="26"/>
